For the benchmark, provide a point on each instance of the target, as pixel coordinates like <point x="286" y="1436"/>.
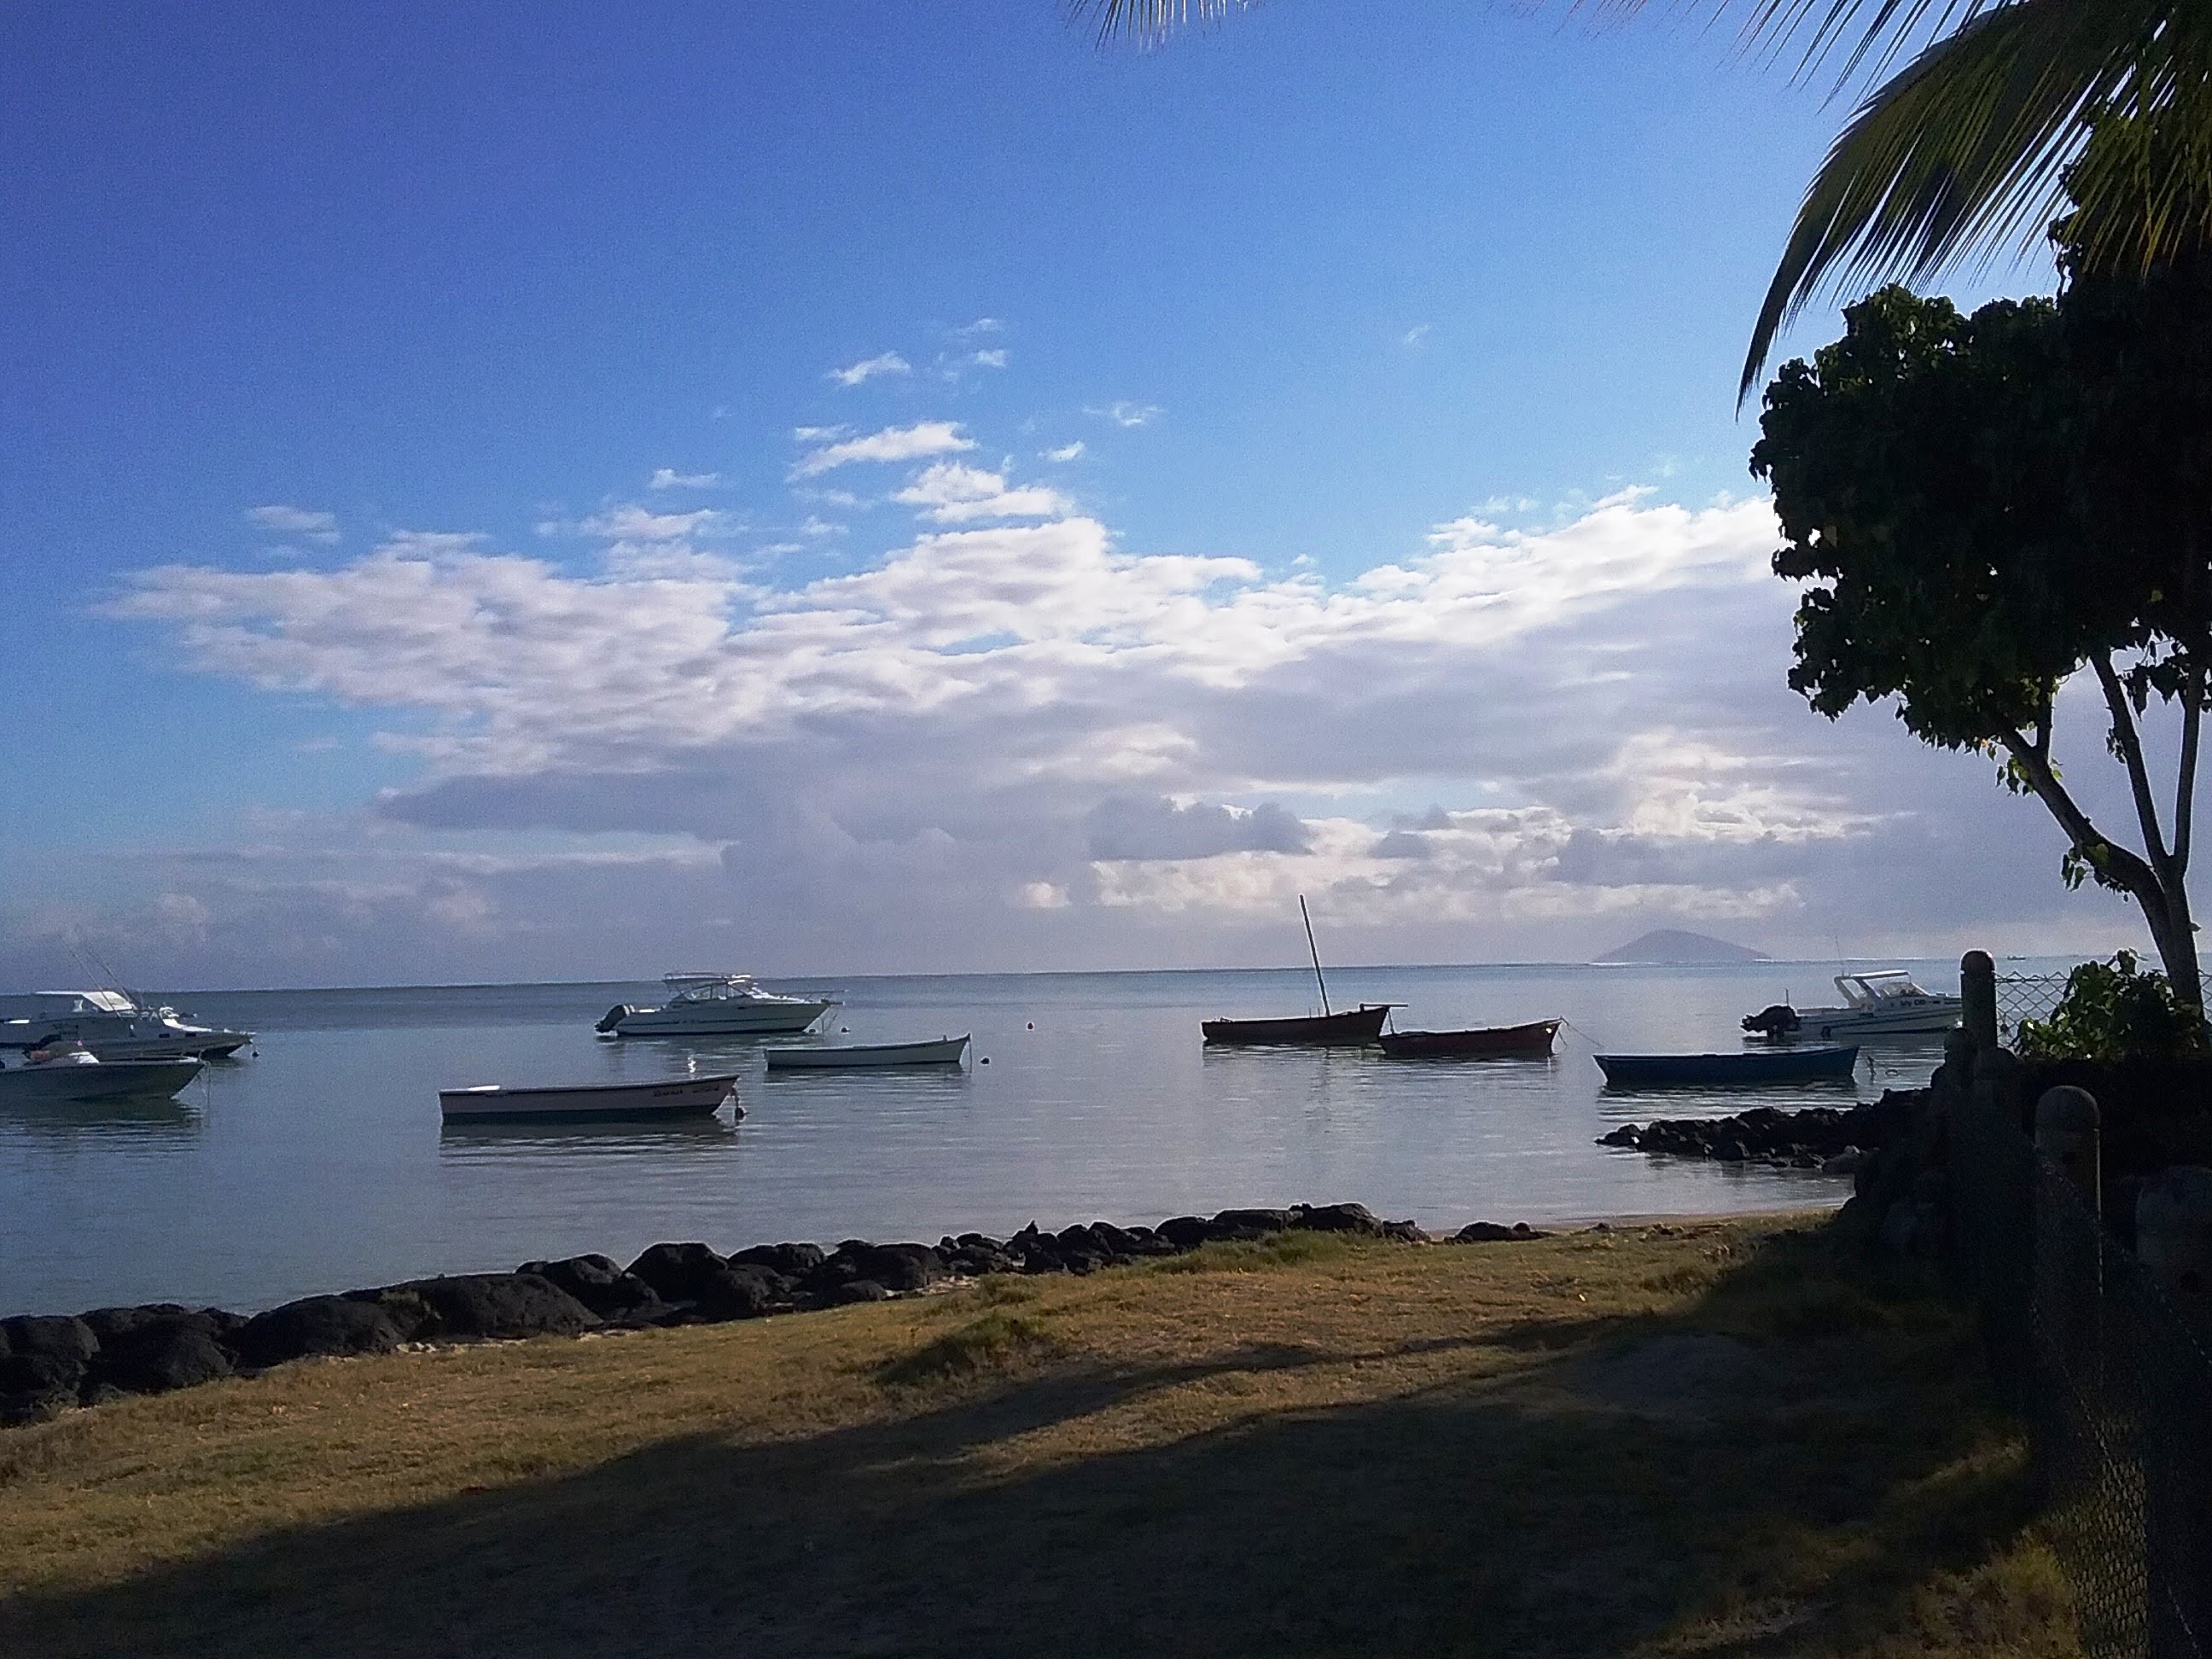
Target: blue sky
<point x="290" y="295"/>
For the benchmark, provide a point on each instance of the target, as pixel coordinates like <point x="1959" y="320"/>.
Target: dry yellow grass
<point x="1714" y="1439"/>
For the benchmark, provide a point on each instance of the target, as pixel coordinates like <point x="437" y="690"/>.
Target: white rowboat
<point x="939" y="1051"/>
<point x="114" y="1079"/>
<point x="678" y="1097"/>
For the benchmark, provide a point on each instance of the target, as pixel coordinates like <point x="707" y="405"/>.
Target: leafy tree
<point x="1969" y="143"/>
<point x="1992" y="504"/>
<point x="2112" y="1012"/>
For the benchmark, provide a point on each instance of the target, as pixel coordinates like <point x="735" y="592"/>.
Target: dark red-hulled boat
<point x="1531" y="1041"/>
<point x="1354" y="1028"/>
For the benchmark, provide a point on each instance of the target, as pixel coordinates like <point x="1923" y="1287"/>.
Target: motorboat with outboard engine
<point x="114" y="1026"/>
<point x="1886" y="1003"/>
<point x="69" y="1072"/>
<point x="714" y="1005"/>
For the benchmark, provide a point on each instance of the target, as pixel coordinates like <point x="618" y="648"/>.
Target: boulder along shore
<point x="49" y="1363"/>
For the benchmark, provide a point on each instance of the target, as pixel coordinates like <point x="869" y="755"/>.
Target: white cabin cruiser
<point x="714" y="1005"/>
<point x="1886" y="1003"/>
<point x="113" y="1026"/>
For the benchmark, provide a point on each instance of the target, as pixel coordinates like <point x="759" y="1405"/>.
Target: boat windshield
<point x="95" y="1002"/>
<point x="709" y="987"/>
<point x="1861" y="990"/>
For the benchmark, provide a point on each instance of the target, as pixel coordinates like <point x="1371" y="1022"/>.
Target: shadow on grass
<point x="1502" y="1515"/>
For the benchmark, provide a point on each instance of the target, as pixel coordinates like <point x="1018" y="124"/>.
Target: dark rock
<point x="1185" y="1232"/>
<point x="677" y="1272"/>
<point x="56" y="1334"/>
<point x="96" y="1393"/>
<point x="601" y="1285"/>
<point x="106" y="1324"/>
<point x="316" y="1325"/>
<point x="486" y="1307"/>
<point x="33" y="1406"/>
<point x="1491" y="1232"/>
<point x="1340" y="1219"/>
<point x="792" y="1260"/>
<point x="857" y="1290"/>
<point x="742" y="1290"/>
<point x="179" y="1351"/>
<point x="1251" y="1224"/>
<point x="45" y="1354"/>
<point x="894" y="1266"/>
<point x="1406" y="1232"/>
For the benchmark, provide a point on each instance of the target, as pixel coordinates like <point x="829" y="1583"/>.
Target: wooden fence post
<point x="1977" y="988"/>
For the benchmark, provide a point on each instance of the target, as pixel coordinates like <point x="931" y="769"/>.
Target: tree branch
<point x="2129" y="870"/>
<point x="2184" y="787"/>
<point x="2130" y="745"/>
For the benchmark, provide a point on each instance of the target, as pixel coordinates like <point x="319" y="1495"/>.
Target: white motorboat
<point x="1886" y="1003"/>
<point x="114" y="1026"/>
<point x="70" y="1073"/>
<point x="675" y="1097"/>
<point x="937" y="1051"/>
<point x="714" y="1005"/>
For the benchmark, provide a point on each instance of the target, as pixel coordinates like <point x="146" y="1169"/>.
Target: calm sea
<point x="318" y="1162"/>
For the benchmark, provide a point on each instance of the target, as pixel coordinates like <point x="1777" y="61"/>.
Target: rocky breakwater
<point x="1837" y="1140"/>
<point x="51" y="1362"/>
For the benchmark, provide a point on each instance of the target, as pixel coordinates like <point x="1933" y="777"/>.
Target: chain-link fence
<point x="2115" y="1387"/>
<point x="2024" y="997"/>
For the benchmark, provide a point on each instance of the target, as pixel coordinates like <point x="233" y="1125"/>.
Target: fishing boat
<point x="676" y="1096"/>
<point x="1354" y="1028"/>
<point x="1751" y="1066"/>
<point x="1496" y="1041"/>
<point x="72" y="1074"/>
<point x="937" y="1051"/>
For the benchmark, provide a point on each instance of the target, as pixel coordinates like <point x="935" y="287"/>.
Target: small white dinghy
<point x="676" y="1096"/>
<point x="938" y="1051"/>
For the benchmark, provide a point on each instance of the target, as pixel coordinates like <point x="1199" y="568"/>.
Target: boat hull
<point x="1355" y="1027"/>
<point x="941" y="1051"/>
<point x="1844" y="1024"/>
<point x="1770" y="1066"/>
<point x="122" y="1079"/>
<point x="682" y="1096"/>
<point x="1493" y="1041"/>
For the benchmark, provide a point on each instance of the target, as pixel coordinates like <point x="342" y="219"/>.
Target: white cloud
<point x="665" y="477"/>
<point x="1417" y="336"/>
<point x="950" y="493"/>
<point x="631" y="522"/>
<point x="893" y="443"/>
<point x="888" y="362"/>
<point x="1065" y="452"/>
<point x="294" y="521"/>
<point x="1007" y="728"/>
<point x="981" y="326"/>
<point x="994" y="359"/>
<point x="1122" y="412"/>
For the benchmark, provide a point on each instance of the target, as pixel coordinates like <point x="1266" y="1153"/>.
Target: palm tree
<point x="1970" y="144"/>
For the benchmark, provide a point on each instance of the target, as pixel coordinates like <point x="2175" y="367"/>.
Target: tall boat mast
<point x="1316" y="952"/>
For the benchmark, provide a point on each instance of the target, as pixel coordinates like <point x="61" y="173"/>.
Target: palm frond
<point x="1962" y="148"/>
<point x="1148" y="22"/>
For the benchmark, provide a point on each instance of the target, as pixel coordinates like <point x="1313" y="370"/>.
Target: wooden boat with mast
<point x="1353" y="1028"/>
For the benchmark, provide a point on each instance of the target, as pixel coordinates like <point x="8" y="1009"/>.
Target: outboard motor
<point x="613" y="1017"/>
<point x="1776" y="1020"/>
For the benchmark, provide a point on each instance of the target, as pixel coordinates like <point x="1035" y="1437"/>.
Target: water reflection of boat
<point x="606" y="1136"/>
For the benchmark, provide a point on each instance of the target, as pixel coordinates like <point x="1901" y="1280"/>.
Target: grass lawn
<point x="1712" y="1438"/>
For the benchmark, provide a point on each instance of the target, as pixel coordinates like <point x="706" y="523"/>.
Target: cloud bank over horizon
<point x="1010" y="743"/>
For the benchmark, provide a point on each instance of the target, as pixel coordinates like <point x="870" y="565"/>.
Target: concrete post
<point x="1977" y="987"/>
<point x="2066" y="1133"/>
<point x="2173" y="1239"/>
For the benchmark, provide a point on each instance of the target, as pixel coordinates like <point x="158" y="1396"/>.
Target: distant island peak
<point x="1676" y="945"/>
